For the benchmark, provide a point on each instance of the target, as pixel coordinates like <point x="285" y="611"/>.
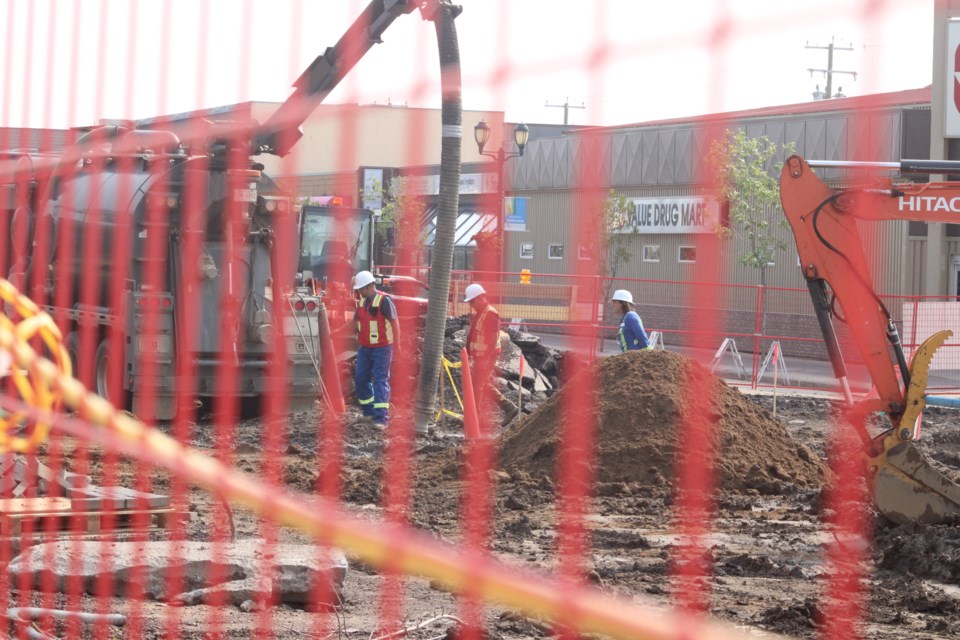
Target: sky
<point x="71" y="63"/>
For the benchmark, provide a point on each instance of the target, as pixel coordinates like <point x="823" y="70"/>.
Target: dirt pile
<point x="641" y="398"/>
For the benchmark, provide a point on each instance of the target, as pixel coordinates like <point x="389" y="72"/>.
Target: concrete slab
<point x="508" y="365"/>
<point x="143" y="569"/>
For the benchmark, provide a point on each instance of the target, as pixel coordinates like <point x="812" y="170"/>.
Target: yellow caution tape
<point x="448" y="366"/>
<point x="35" y="390"/>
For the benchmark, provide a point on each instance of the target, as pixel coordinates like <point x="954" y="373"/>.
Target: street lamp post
<point x="521" y="135"/>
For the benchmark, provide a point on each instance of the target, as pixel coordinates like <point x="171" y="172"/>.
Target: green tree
<point x="400" y="212"/>
<point x="745" y="170"/>
<point x="614" y="239"/>
<point x="302" y="201"/>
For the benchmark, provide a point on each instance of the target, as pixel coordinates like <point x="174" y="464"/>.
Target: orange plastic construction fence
<point x="196" y="405"/>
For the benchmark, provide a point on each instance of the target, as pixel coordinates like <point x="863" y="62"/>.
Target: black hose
<point x="891" y="331"/>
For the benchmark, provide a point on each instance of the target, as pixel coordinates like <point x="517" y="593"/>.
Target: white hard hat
<point x="472" y="291"/>
<point x="623" y="296"/>
<point x="362" y="279"/>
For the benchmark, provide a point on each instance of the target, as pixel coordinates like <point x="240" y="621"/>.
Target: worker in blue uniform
<point x="631" y="336"/>
<point x="378" y="332"/>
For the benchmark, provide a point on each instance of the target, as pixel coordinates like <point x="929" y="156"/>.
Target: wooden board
<point x="28" y="505"/>
<point x="83" y="522"/>
<point x="94" y="497"/>
<point x="525" y="311"/>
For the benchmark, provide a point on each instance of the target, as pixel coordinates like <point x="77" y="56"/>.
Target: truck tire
<point x="72" y="343"/>
<point x="100" y="377"/>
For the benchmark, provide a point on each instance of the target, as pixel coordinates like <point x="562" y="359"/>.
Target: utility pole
<point x="829" y="71"/>
<point x="566" y="109"/>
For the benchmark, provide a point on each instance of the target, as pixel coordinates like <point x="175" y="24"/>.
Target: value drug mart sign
<point x="678" y="214"/>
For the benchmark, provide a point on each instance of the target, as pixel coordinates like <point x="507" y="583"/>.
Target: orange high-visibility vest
<point x="476" y="341"/>
<point x="373" y="329"/>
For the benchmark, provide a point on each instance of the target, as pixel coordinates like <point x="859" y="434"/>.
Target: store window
<point x="687" y="254"/>
<point x="651" y="253"/>
<point x="919" y="229"/>
<point x="463" y="258"/>
<point x="555" y="252"/>
<point x="526" y="250"/>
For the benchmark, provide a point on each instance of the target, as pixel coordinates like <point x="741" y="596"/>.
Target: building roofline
<point x="907" y="97"/>
<point x="249" y="105"/>
<point x="199" y="113"/>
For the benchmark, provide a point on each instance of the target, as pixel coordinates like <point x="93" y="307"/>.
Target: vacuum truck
<point x="169" y="258"/>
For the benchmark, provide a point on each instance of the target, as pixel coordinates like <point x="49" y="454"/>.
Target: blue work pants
<point x="371" y="381"/>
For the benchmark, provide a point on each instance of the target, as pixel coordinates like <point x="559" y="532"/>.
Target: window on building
<point x="526" y="250"/>
<point x="555" y="252"/>
<point x="687" y="254"/>
<point x="584" y="252"/>
<point x="651" y="253"/>
<point x="463" y="258"/>
<point x="919" y="229"/>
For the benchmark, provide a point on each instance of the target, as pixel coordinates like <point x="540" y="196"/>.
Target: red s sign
<point x="956" y="81"/>
<point x="951" y="80"/>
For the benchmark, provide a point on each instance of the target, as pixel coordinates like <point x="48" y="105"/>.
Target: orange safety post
<point x="776" y="356"/>
<point x="329" y="373"/>
<point x="471" y="422"/>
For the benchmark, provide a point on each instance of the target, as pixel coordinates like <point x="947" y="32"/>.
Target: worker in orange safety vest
<point x="378" y="332"/>
<point x="483" y="348"/>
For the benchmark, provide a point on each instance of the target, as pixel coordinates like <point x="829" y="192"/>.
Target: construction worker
<point x="483" y="348"/>
<point x="631" y="336"/>
<point x="378" y="332"/>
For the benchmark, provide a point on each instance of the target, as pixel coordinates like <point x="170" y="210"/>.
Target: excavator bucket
<point x="906" y="487"/>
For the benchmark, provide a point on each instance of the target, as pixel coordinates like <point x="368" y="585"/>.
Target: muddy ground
<point x="767" y="543"/>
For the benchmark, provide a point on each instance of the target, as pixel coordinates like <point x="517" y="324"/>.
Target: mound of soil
<point x="641" y="398"/>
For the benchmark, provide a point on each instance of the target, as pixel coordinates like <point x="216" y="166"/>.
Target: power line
<point x="829" y="71"/>
<point x="566" y="109"/>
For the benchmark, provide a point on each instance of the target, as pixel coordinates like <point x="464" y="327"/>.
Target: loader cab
<point x="335" y="241"/>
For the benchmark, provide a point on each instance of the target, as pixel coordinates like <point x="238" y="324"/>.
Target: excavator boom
<point x="282" y="130"/>
<point x="823" y="219"/>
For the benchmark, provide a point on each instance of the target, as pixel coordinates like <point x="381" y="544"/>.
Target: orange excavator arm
<point x="824" y="222"/>
<point x="828" y="242"/>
